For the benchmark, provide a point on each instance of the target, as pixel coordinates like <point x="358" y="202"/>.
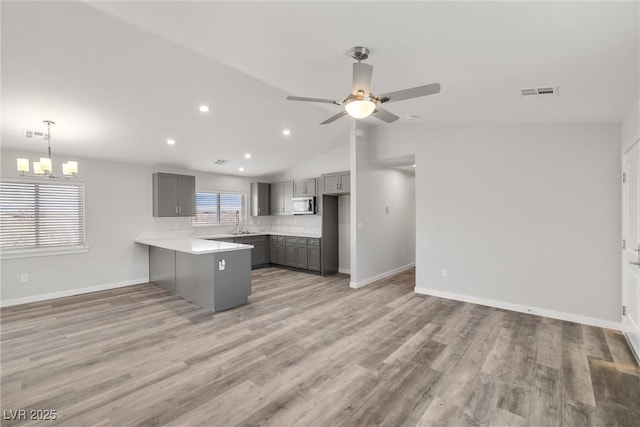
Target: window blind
<point x="41" y="215"/>
<point x="219" y="208"/>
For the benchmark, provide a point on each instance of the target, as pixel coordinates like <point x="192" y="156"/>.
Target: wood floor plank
<point x="309" y="351"/>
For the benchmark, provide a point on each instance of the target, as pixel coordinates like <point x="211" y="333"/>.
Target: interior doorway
<point x="631" y="248"/>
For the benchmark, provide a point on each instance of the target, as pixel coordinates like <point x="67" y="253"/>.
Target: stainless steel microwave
<point x="304" y="205"/>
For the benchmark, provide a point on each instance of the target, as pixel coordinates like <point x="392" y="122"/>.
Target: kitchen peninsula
<point x="212" y="274"/>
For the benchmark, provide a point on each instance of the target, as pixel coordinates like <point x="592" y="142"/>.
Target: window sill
<point x="29" y="253"/>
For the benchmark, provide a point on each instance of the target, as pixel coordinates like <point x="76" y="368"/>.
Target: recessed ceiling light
<point x="171" y="142"/>
<point x="240" y="169"/>
<point x="204" y="109"/>
<point x="412" y="117"/>
<point x="286" y="132"/>
<point x="247" y="156"/>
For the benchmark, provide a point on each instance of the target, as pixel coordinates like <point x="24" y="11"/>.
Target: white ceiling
<point x="119" y="78"/>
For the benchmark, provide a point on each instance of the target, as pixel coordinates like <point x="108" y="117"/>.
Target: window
<point x="219" y="208"/>
<point x="41" y="216"/>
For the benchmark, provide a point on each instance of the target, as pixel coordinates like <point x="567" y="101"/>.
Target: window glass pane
<point x="219" y="208"/>
<point x="231" y="206"/>
<point x="41" y="215"/>
<point x="206" y="208"/>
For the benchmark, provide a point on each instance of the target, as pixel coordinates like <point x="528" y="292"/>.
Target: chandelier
<point x="44" y="168"/>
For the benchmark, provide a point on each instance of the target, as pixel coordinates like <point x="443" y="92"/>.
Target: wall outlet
<point x="24" y="277"/>
<point x="221" y="265"/>
<point x="176" y="225"/>
<point x="445" y="272"/>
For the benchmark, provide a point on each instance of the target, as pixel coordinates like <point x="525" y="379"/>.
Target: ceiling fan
<point x="361" y="102"/>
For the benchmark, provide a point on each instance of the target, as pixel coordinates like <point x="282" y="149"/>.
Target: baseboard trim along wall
<point x="365" y="282"/>
<point x="344" y="270"/>
<point x="522" y="308"/>
<point x="71" y="292"/>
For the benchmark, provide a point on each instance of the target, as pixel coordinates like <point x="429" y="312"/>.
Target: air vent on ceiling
<point x="539" y="91"/>
<point x="34" y="134"/>
<point x="221" y="162"/>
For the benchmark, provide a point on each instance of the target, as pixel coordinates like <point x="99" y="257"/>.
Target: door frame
<point x="625" y="246"/>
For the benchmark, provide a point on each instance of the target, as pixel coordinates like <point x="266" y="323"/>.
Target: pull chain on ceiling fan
<point x="361" y="102"/>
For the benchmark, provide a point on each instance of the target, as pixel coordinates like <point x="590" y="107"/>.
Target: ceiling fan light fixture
<point x="360" y="108"/>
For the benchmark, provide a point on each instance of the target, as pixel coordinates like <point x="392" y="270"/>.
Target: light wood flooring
<point x="309" y="351"/>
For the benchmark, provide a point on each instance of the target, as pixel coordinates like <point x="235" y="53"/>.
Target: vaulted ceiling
<point x="120" y="78"/>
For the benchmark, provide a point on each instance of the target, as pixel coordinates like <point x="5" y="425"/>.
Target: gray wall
<point x="384" y="241"/>
<point x="527" y="215"/>
<point x="118" y="205"/>
<point x="631" y="127"/>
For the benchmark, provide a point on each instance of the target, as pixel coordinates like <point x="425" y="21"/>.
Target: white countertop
<point x="194" y="246"/>
<point x="263" y="233"/>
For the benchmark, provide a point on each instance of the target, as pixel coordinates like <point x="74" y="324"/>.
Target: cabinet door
<point x="273" y="252"/>
<point x="313" y="258"/>
<point x="299" y="188"/>
<point x="258" y="254"/>
<point x="330" y="183"/>
<point x="260" y="199"/>
<point x="310" y="187"/>
<point x="319" y="196"/>
<point x="282" y="254"/>
<point x="287" y="194"/>
<point x="301" y="256"/>
<point x="292" y="258"/>
<point x="344" y="182"/>
<point x="277" y="206"/>
<point x="186" y="195"/>
<point x="165" y="195"/>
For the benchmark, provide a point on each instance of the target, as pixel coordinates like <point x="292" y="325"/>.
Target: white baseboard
<point x="71" y="292"/>
<point x="344" y="270"/>
<point x="570" y="317"/>
<point x="365" y="282"/>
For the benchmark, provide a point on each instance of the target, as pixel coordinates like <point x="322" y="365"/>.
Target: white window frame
<point x="10" y="253"/>
<point x="243" y="215"/>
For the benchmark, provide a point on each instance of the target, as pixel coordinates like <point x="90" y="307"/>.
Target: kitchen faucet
<point x="236" y="229"/>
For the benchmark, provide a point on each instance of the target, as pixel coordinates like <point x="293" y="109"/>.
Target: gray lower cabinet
<point x="313" y="254"/>
<point x="259" y="253"/>
<point x="277" y="250"/>
<point x="217" y="281"/>
<point x="162" y="268"/>
<point x="297" y="252"/>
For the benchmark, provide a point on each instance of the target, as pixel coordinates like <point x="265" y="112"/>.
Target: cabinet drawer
<point x="296" y="240"/>
<point x="281" y="239"/>
<point x="273" y="238"/>
<point x="250" y="240"/>
<point x="313" y="242"/>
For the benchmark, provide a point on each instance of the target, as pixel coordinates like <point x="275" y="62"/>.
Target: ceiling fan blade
<point x="384" y="115"/>
<point x="334" y="117"/>
<point x="413" y="92"/>
<point x="301" y="98"/>
<point x="362" y="77"/>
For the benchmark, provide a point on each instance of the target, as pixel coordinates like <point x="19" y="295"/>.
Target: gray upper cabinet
<point x="260" y="199"/>
<point x="281" y="195"/>
<point x="336" y="183"/>
<point x="304" y="187"/>
<point x="174" y="195"/>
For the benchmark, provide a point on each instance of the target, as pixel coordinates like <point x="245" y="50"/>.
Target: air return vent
<point x="34" y="134"/>
<point x="221" y="162"/>
<point x="539" y="91"/>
